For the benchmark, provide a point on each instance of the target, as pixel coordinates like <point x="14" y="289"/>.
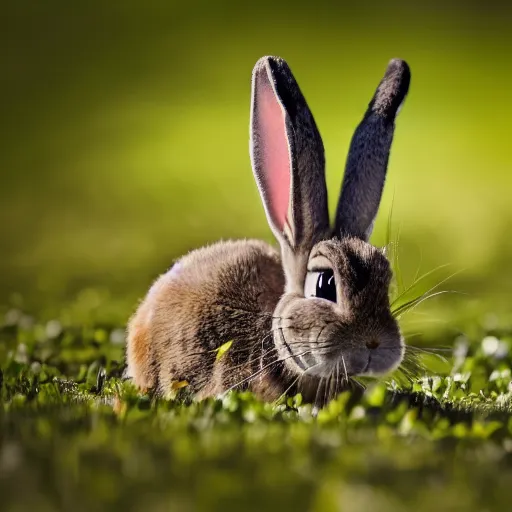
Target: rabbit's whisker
<point x="327" y="387"/>
<point x="283" y="318"/>
<point x="355" y="380"/>
<point x="416" y="281"/>
<point x="237" y="351"/>
<point x="233" y="369"/>
<point x="344" y="367"/>
<point x="317" y="402"/>
<point x="285" y="392"/>
<point x="242" y="310"/>
<point x="255" y="374"/>
<point x="428" y="350"/>
<point x="338" y="380"/>
<point x="414" y="303"/>
<point x="298" y="379"/>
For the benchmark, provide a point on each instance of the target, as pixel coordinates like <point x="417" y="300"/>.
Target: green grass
<point x="75" y="436"/>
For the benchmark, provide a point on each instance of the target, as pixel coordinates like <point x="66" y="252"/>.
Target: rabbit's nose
<point x="372" y="343"/>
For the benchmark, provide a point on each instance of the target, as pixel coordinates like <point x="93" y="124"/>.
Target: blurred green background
<point x="125" y="134"/>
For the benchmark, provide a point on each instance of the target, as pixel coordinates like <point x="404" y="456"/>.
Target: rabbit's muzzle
<point x="326" y="343"/>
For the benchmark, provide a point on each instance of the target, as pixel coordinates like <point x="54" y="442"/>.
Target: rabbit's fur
<point x="305" y="319"/>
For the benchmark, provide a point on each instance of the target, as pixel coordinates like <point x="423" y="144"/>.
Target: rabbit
<point x="309" y="317"/>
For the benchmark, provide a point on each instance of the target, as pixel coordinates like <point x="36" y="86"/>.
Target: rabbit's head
<point x="335" y="314"/>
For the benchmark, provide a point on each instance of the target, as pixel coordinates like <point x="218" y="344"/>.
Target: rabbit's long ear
<point x="287" y="157"/>
<point x="367" y="161"/>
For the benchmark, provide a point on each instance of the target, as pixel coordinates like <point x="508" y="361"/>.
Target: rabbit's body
<point x="308" y="318"/>
<point x="220" y="293"/>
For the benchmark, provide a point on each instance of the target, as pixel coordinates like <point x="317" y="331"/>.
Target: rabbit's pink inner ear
<point x="274" y="154"/>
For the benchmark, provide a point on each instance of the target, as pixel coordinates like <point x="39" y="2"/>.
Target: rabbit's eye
<point x="321" y="284"/>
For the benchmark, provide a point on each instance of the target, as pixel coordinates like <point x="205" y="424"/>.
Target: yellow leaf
<point x="221" y="351"/>
<point x="178" y="384"/>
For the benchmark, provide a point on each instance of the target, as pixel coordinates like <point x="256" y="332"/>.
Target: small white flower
<point x="490" y="345"/>
<point x="53" y="329"/>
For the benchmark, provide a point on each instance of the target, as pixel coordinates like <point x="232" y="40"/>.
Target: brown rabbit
<point x="306" y="319"/>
